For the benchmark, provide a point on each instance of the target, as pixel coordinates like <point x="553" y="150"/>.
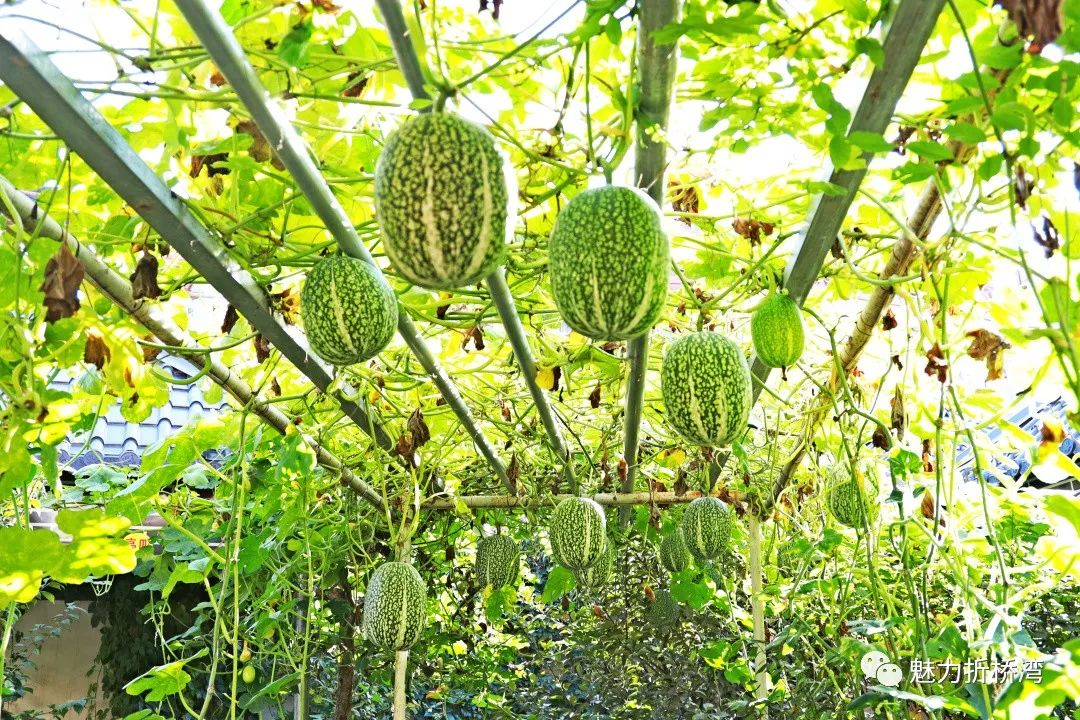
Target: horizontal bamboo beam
<point x="148" y="314"/>
<point x="521" y="501"/>
<point x="229" y="56"/>
<point x="29" y="72"/>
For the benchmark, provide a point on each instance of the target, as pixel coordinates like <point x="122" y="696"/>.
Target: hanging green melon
<point x="577" y="533"/>
<point x="706" y="528"/>
<point x="597" y="575"/>
<point x="608" y="259"/>
<point x="348" y="309"/>
<point x="445" y="200"/>
<point x="395" y="606"/>
<point x="497" y="561"/>
<point x="777" y="330"/>
<point x="674" y="555"/>
<point x="852" y="496"/>
<point x="705" y="384"/>
<point x="665" y="612"/>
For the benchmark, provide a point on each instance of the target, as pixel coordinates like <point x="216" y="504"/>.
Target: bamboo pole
<point x="757" y="605"/>
<point x="521" y="501"/>
<point x="409" y="65"/>
<point x="147" y="314"/>
<point x="224" y="49"/>
<point x="401" y="682"/>
<point x="657" y="65"/>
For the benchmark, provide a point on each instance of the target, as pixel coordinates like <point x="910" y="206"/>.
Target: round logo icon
<point x="873" y="660"/>
<point x="890" y="674"/>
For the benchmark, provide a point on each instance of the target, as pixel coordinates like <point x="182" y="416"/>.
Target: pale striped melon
<point x="705" y="383"/>
<point x="395" y="606"/>
<point x="608" y="259"/>
<point x="349" y="311"/>
<point x="577" y="533"/>
<point x="706" y="528"/>
<point x="777" y="330"/>
<point x="852" y="496"/>
<point x="444" y="199"/>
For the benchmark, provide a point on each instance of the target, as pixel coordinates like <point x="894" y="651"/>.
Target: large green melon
<point x="445" y="199"/>
<point x="608" y="260"/>
<point x="577" y="533"/>
<point x="674" y="555"/>
<point x="705" y="384"/>
<point x="706" y="528"/>
<point x="349" y="311"/>
<point x="777" y="330"/>
<point x="395" y="606"/>
<point x="852" y="496"/>
<point x="497" y="561"/>
<point x="665" y="611"/>
<point x="597" y="575"/>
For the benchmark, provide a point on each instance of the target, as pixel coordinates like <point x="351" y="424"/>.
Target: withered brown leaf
<point x="594" y="397"/>
<point x="231" y="316"/>
<point x="927" y="456"/>
<point x="419" y="429"/>
<point x="888" y="322"/>
<point x="898" y="413"/>
<point x="144" y="282"/>
<point x="513" y="473"/>
<point x="96" y="352"/>
<point x="63" y="275"/>
<point x="262" y="348"/>
<point x="1049" y="239"/>
<point x="935" y="363"/>
<point x="987" y="346"/>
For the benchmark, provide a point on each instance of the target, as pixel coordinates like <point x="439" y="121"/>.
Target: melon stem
<point x="757" y="604"/>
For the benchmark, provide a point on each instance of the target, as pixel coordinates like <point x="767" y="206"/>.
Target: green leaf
<point x="1065" y="507"/>
<point x="500" y="603"/>
<point x="965" y="133"/>
<point x="160" y="682"/>
<point x="559" y="582"/>
<point x="293" y="48"/>
<point x="233" y="11"/>
<point x="870" y="142"/>
<point x="871" y="48"/>
<point x="1011" y="116"/>
<point x="930" y="150"/>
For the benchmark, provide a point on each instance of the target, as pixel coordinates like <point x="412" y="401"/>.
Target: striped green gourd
<point x="348" y="309"/>
<point x="577" y="533"/>
<point x="597" y="575"/>
<point x="497" y="561"/>
<point x="445" y="201"/>
<point x="665" y="611"/>
<point x="706" y="528"/>
<point x="851" y="497"/>
<point x="705" y="384"/>
<point x="777" y="330"/>
<point x="608" y="259"/>
<point x="674" y="555"/>
<point x="395" y="606"/>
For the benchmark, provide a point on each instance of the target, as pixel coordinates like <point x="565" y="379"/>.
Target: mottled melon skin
<point x="851" y="497"/>
<point x="599" y="573"/>
<point x="665" y="612"/>
<point x="395" y="606"/>
<point x="577" y="532"/>
<point x="445" y="200"/>
<point x="706" y="528"/>
<point x="705" y="383"/>
<point x="674" y="555"/>
<point x="348" y="310"/>
<point x="497" y="561"/>
<point x="777" y="331"/>
<point x="608" y="259"/>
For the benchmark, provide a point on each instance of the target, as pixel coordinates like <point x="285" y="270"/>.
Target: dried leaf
<point x="837" y="249"/>
<point x="287" y="303"/>
<point x="880" y="439"/>
<point x="927" y="506"/>
<point x="275" y="388"/>
<point x="556" y="376"/>
<point x="96" y="352"/>
<point x="680" y="483"/>
<point x="63" y="275"/>
<point x="752" y="230"/>
<point x="1049" y="239"/>
<point x="987" y="346"/>
<point x="231" y="316"/>
<point x="684" y="198"/>
<point x="599" y="612"/>
<point x="325" y="5"/>
<point x="144" y="282"/>
<point x="505" y="408"/>
<point x="896" y="361"/>
<point x="418" y="428"/>
<point x="1022" y="187"/>
<point x="404" y="445"/>
<point x="594" y="397"/>
<point x="888" y="322"/>
<point x="623" y="469"/>
<point x="649" y="594"/>
<point x="356" y="83"/>
<point x="1052" y="434"/>
<point x="262" y="348"/>
<point x="927" y="456"/>
<point x="1039" y="20"/>
<point x="513" y="473"/>
<point x="935" y="363"/>
<point x="496" y="6"/>
<point x="198" y="162"/>
<point x="149" y="353"/>
<point x="217" y="79"/>
<point x="476" y="335"/>
<point x="898" y="414"/>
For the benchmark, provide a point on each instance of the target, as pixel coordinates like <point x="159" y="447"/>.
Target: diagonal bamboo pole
<point x="33" y="77"/>
<point x="117" y="289"/>
<point x="409" y="65"/>
<point x="226" y="52"/>
<point x="904" y="43"/>
<point x="657" y="67"/>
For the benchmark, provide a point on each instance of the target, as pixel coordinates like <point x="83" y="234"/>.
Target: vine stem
<point x="657" y="66"/>
<point x="401" y="665"/>
<point x="757" y="605"/>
